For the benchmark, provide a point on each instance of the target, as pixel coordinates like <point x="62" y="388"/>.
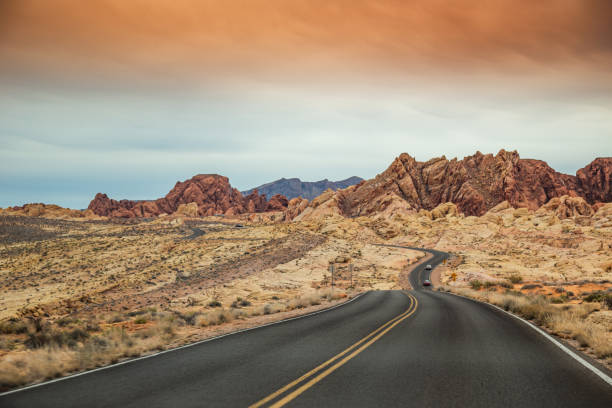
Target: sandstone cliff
<point x="211" y="193"/>
<point x="475" y="184"/>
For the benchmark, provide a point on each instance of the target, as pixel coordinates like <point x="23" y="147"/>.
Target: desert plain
<point x="83" y="291"/>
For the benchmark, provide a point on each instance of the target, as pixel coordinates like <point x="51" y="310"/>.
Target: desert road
<point x="417" y="348"/>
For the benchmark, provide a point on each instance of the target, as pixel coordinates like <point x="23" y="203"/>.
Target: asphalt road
<point x="386" y="348"/>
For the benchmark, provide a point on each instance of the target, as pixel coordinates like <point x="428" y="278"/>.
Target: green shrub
<point x="605" y="298"/>
<point x="475" y="284"/>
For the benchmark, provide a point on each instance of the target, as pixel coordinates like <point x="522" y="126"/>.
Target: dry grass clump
<point x="567" y="321"/>
<point x="215" y="317"/>
<point x="53" y="358"/>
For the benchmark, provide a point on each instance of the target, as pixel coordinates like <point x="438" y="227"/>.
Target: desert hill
<point x="475" y="184"/>
<point x="211" y="193"/>
<point x="294" y="187"/>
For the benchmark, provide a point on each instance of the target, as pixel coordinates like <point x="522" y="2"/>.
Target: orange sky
<point x="272" y="37"/>
<point x="129" y="96"/>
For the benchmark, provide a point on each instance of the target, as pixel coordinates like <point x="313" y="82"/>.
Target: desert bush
<point x="515" y="278"/>
<point x="604" y="297"/>
<point x="188" y="317"/>
<point x="270" y="308"/>
<point x="214" y="303"/>
<point x="13" y="326"/>
<point x="7" y="344"/>
<point x="240" y="302"/>
<point x="531" y="286"/>
<point x="44" y="338"/>
<point x="214" y="317"/>
<point x="141" y="320"/>
<point x="475" y="284"/>
<point x="136" y="313"/>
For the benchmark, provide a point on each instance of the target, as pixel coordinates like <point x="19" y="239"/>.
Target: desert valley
<point x="84" y="288"/>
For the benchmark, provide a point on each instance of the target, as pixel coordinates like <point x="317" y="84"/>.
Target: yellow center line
<point x="384" y="328"/>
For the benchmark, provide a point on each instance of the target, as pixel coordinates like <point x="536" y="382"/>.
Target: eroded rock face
<point x="476" y="184"/>
<point x="211" y="193"/>
<point x="47" y="211"/>
<point x="596" y="180"/>
<point x="568" y="207"/>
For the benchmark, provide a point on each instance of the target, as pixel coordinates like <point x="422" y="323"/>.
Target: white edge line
<point x="178" y="348"/>
<point x="557" y="343"/>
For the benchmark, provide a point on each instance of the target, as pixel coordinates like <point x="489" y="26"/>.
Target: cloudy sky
<point x="128" y="96"/>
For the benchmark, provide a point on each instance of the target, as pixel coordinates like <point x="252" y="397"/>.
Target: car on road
<point x="426" y="282"/>
<point x="428" y="267"/>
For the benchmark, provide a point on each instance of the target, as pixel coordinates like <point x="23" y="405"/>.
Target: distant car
<point x="428" y="267"/>
<point x="426" y="282"/>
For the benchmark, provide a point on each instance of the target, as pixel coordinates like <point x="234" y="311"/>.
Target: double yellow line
<point x="361" y="345"/>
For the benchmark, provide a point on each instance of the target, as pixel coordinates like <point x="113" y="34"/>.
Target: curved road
<point x="386" y="348"/>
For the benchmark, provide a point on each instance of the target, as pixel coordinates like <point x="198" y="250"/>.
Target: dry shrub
<point x="330" y="294"/>
<point x="13" y="326"/>
<point x="271" y="308"/>
<point x="304" y="301"/>
<point x="475" y="284"/>
<point x="36" y="365"/>
<point x="515" y="278"/>
<point x="50" y="360"/>
<point x="215" y="317"/>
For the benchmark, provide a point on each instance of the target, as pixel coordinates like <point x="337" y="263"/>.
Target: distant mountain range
<point x="474" y="184"/>
<point x="294" y="187"/>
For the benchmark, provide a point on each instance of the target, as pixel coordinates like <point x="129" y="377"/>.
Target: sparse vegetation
<point x="604" y="297"/>
<point x="515" y="279"/>
<point x="475" y="284"/>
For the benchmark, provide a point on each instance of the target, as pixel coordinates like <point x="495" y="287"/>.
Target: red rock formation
<point x="212" y="193"/>
<point x="596" y="180"/>
<point x="477" y="183"/>
<point x="277" y="203"/>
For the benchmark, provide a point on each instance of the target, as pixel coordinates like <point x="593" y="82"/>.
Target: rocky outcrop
<point x="595" y="180"/>
<point x="294" y="187"/>
<point x="295" y="207"/>
<point x="212" y="194"/>
<point x="568" y="207"/>
<point x="475" y="184"/>
<point x="47" y="211"/>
